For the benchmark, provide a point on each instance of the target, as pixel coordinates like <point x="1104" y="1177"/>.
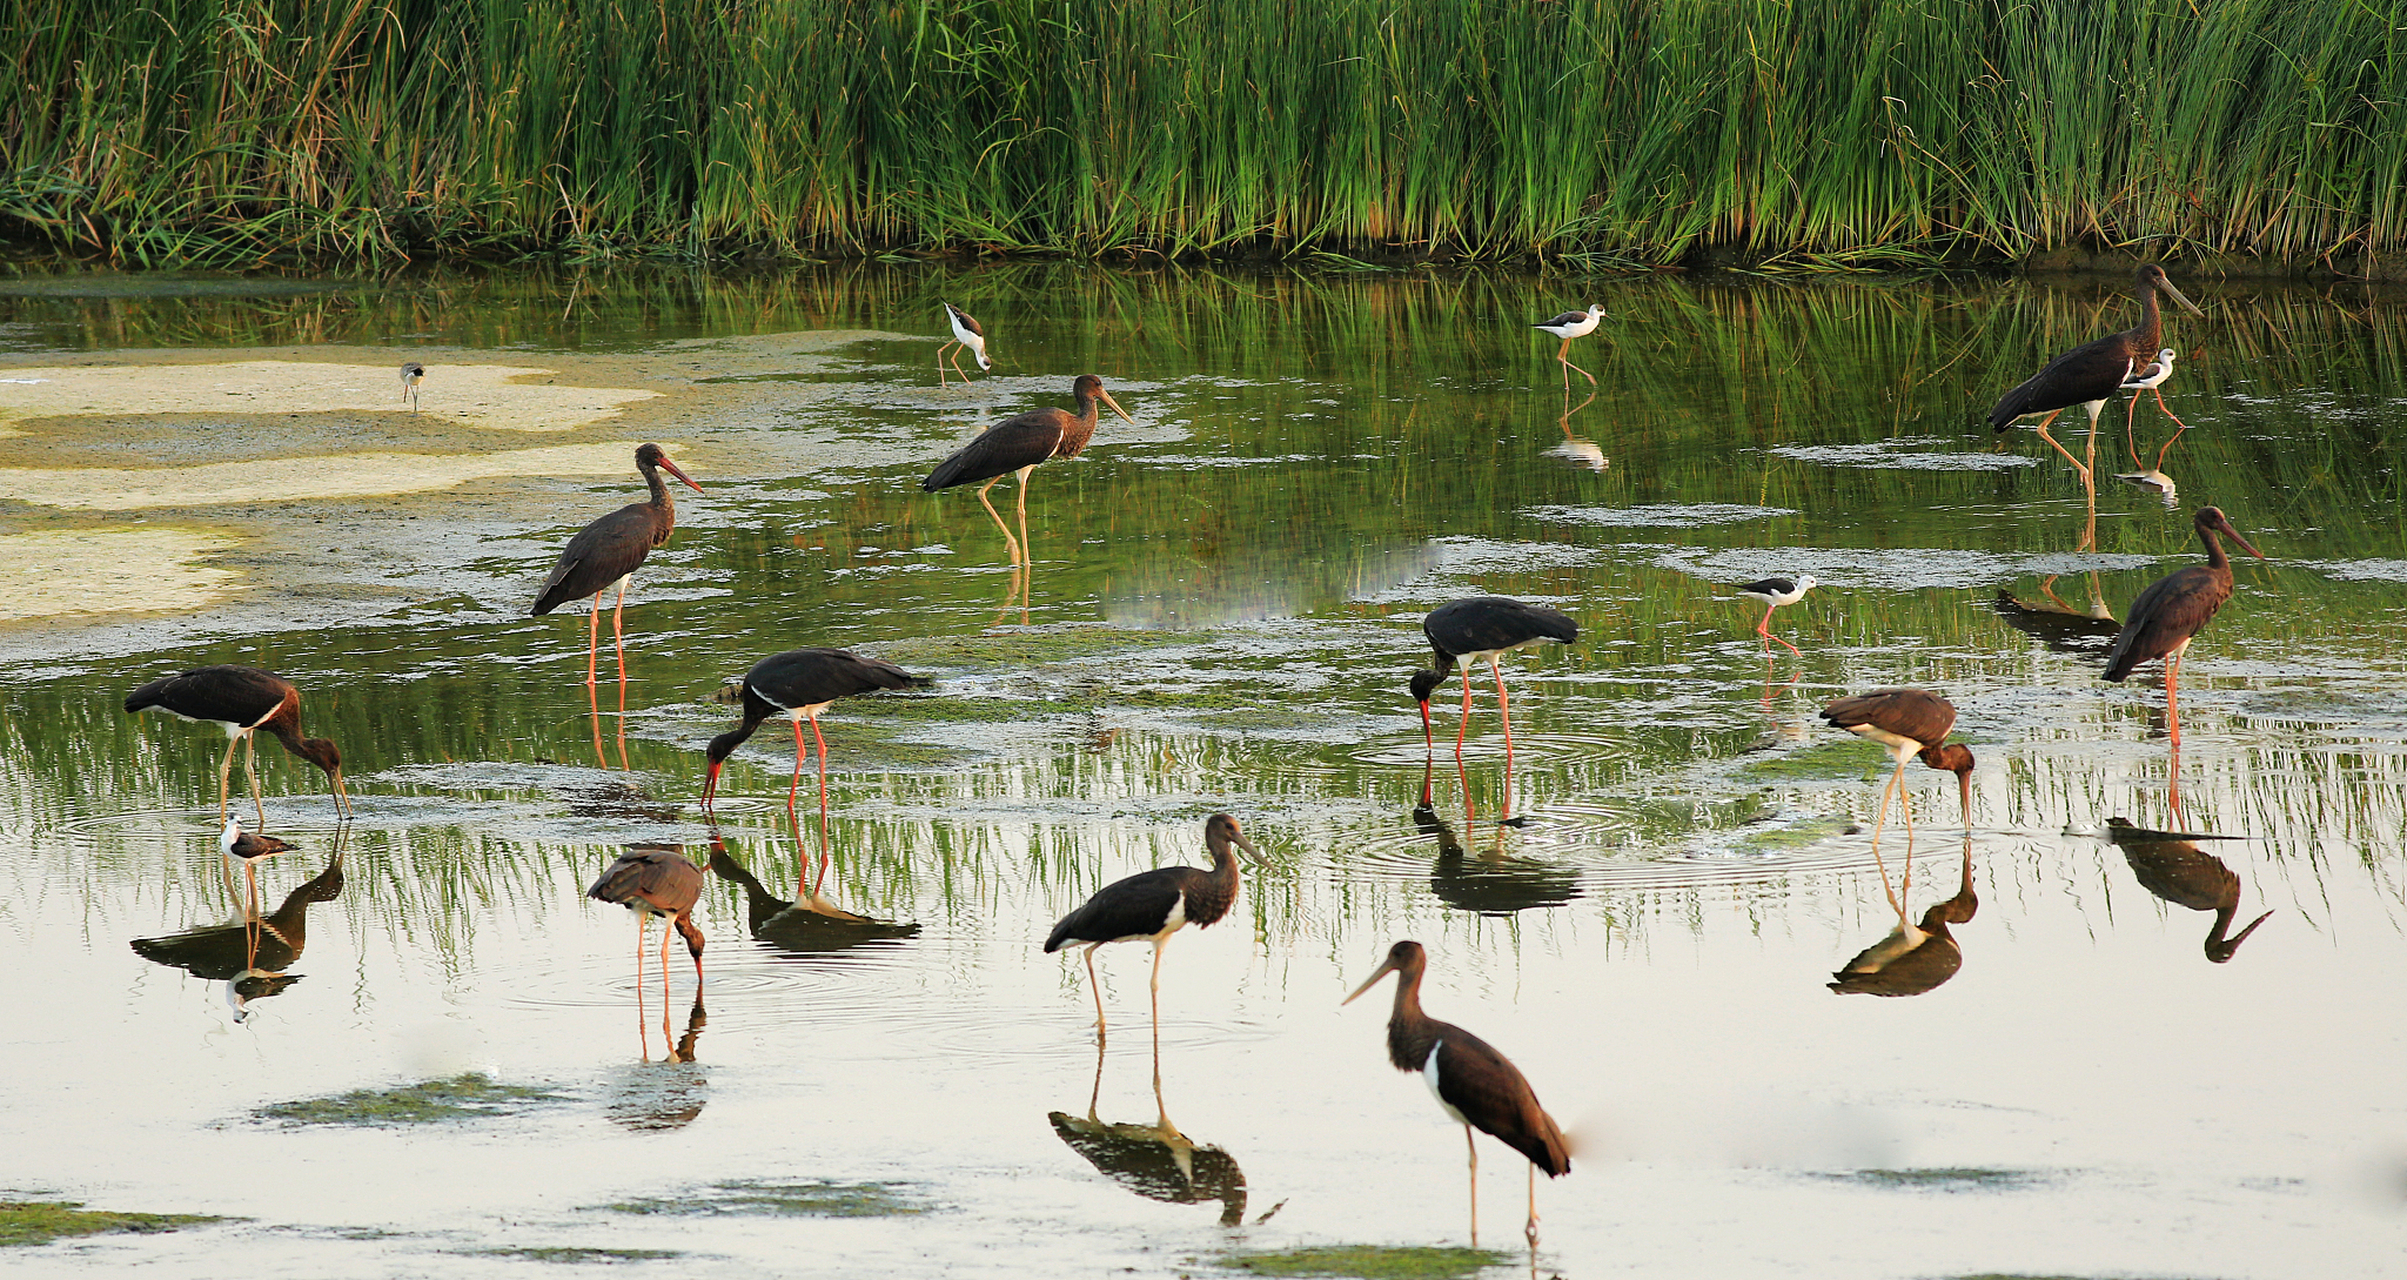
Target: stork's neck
<point x="2215" y="559"/>
<point x="662" y="502"/>
<point x="2150" y="334"/>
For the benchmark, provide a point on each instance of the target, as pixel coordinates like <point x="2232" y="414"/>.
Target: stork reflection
<point x="808" y="927"/>
<point x="1155" y="1160"/>
<point x="664" y="1094"/>
<point x="2172" y="866"/>
<point x="1913" y="958"/>
<point x="1492" y="883"/>
<point x="251" y="954"/>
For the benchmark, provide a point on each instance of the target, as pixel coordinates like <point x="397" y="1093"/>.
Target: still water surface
<point x="1223" y="612"/>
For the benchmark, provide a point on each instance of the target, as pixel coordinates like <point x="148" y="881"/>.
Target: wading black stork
<point x="966" y="333"/>
<point x="655" y="880"/>
<point x="2090" y="374"/>
<point x="245" y="700"/>
<point x="2173" y="609"/>
<point x="411" y="373"/>
<point x="607" y="552"/>
<point x="1477" y="1087"/>
<point x="1569" y="325"/>
<point x="1150" y="906"/>
<point x="1462" y="633"/>
<point x="1909" y="722"/>
<point x="1018" y="444"/>
<point x="797" y="685"/>
<point x="1775" y="592"/>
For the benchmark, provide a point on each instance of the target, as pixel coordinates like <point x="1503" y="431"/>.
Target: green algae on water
<point x="814" y="1199"/>
<point x="1369" y="1261"/>
<point x="465" y="1097"/>
<point x="34" y="1222"/>
<point x="1947" y="1179"/>
<point x="574" y="1254"/>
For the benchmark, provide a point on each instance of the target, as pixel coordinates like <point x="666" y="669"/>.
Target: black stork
<point x="245" y="700"/>
<point x="968" y="333"/>
<point x="1909" y="722"/>
<point x="1775" y="592"/>
<point x="1462" y="633"/>
<point x="2173" y="609"/>
<point x="1150" y="906"/>
<point x="607" y="552"/>
<point x="411" y="373"/>
<point x="797" y="685"/>
<point x="1018" y="444"/>
<point x="2090" y="374"/>
<point x="1914" y="959"/>
<point x="655" y="880"/>
<point x="1569" y="325"/>
<point x="1475" y="1085"/>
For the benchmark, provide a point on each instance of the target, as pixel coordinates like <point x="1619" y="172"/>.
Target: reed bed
<point x="1606" y="132"/>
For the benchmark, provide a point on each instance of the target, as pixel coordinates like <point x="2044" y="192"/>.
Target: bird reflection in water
<point x="2151" y="377"/>
<point x="2056" y="624"/>
<point x="809" y="927"/>
<point x="251" y="955"/>
<point x="1913" y="958"/>
<point x="1490" y="883"/>
<point x="1155" y="1160"/>
<point x="1577" y="452"/>
<point x="2172" y="866"/>
<point x="669" y="1093"/>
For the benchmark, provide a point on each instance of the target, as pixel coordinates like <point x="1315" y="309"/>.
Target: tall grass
<point x="1633" y="131"/>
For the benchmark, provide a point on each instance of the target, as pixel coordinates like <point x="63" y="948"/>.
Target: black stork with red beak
<point x="1475" y="1085"/>
<point x="1464" y="632"/>
<point x="245" y="700"/>
<point x="797" y="685"/>
<point x="2173" y="609"/>
<point x="2090" y="374"/>
<point x="1151" y="905"/>
<point x="607" y="552"/>
<point x="1018" y="444"/>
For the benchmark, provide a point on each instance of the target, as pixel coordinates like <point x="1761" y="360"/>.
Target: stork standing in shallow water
<point x="797" y="685"/>
<point x="1909" y="722"/>
<point x="1463" y="632"/>
<point x="2090" y="374"/>
<point x="656" y="880"/>
<point x="1150" y="906"/>
<point x="244" y="700"/>
<point x="1569" y="325"/>
<point x="607" y="553"/>
<point x="2173" y="609"/>
<point x="1476" y="1086"/>
<point x="1018" y="444"/>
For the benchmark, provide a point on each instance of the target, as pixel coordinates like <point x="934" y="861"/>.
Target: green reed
<point x="1602" y="132"/>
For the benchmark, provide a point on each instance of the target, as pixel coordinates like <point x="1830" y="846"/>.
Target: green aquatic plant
<point x="464" y="1097"/>
<point x="1369" y="1262"/>
<point x="33" y="1222"/>
<point x="811" y="1199"/>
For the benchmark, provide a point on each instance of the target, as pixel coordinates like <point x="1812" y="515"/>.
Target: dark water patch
<point x="37" y="1222"/>
<point x="573" y="1254"/>
<point x="1369" y="1262"/>
<point x="165" y="284"/>
<point x="810" y="1199"/>
<point x="1942" y="1179"/>
<point x="473" y="1096"/>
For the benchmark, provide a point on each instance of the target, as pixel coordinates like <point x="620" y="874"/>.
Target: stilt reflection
<point x="1492" y="883"/>
<point x="251" y="955"/>
<point x="1913" y="959"/>
<point x="2173" y="867"/>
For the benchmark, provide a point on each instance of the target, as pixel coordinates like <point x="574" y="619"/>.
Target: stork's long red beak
<point x="671" y="468"/>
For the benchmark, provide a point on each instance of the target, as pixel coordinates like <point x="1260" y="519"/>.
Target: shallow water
<point x="1221" y="617"/>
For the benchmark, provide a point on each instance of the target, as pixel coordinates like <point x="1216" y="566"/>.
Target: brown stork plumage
<point x="1909" y="722"/>
<point x="2175" y="608"/>
<point x="1475" y="1085"/>
<point x="607" y="552"/>
<point x="1018" y="444"/>
<point x="655" y="880"/>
